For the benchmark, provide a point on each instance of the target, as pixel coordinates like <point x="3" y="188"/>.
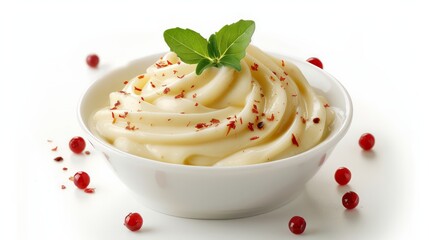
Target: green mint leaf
<point x="212" y="47"/>
<point x="232" y="40"/>
<point x="231" y="61"/>
<point x="189" y="45"/>
<point x="224" y="48"/>
<point x="202" y="65"/>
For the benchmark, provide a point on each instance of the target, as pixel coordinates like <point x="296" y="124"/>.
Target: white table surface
<point x="378" y="50"/>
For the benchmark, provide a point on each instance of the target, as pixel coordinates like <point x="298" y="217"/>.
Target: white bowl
<point x="215" y="192"/>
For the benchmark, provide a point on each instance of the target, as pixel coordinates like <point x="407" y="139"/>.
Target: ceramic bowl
<point x="215" y="192"/>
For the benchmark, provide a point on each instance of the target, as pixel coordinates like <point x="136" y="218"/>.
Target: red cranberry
<point x="81" y="179"/>
<point x="297" y="225"/>
<point x="350" y="200"/>
<point x="92" y="60"/>
<point x="77" y="144"/>
<point x="133" y="221"/>
<point x="343" y="175"/>
<point x="315" y="62"/>
<point x="367" y="141"/>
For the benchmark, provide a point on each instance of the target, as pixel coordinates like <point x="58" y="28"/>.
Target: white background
<point x="377" y="49"/>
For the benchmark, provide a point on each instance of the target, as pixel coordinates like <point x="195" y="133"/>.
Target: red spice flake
<point x="180" y="95"/>
<point x="263" y="114"/>
<point x="201" y="125"/>
<point x="194" y="95"/>
<point x="87" y="152"/>
<point x="140" y="77"/>
<point x="153" y="85"/>
<point x="231" y="125"/>
<point x="250" y="126"/>
<point x="125" y="82"/>
<point x="254" y="138"/>
<point x="272" y="78"/>
<point x="192" y="86"/>
<point x="196" y="104"/>
<point x="161" y="64"/>
<point x="254" y="67"/>
<point x="274" y="73"/>
<point x="124" y="115"/>
<point x="294" y="141"/>
<point x="137" y="89"/>
<point x="294" y="95"/>
<point x="181" y="76"/>
<point x="169" y="119"/>
<point x="260" y="125"/>
<point x="255" y="109"/>
<point x="169" y="63"/>
<point x="65" y="169"/>
<point x="89" y="190"/>
<point x="142" y="98"/>
<point x="130" y="127"/>
<point x="63" y="187"/>
<point x="303" y="120"/>
<point x="241" y="121"/>
<point x="316" y="120"/>
<point x="326" y="105"/>
<point x="285" y="73"/>
<point x="283" y="63"/>
<point x="174" y="71"/>
<point x="215" y="121"/>
<point x="166" y="90"/>
<point x="178" y="62"/>
<point x="282" y="78"/>
<point x="163" y="75"/>
<point x="123" y="92"/>
<point x="59" y="159"/>
<point x="115" y="106"/>
<point x="54" y="149"/>
<point x="271" y="118"/>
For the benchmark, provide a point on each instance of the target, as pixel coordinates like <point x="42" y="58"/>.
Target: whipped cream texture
<point x="265" y="112"/>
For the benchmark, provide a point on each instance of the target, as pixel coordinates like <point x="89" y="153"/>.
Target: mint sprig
<point x="223" y="48"/>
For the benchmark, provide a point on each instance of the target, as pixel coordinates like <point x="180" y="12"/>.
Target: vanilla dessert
<point x="223" y="117"/>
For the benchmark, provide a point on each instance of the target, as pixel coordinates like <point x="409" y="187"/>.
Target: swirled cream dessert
<point x="221" y="117"/>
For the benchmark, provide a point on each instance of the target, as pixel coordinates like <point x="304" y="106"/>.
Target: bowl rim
<point x="326" y="144"/>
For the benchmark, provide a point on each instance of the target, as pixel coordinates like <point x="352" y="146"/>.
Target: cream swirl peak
<point x="222" y="117"/>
